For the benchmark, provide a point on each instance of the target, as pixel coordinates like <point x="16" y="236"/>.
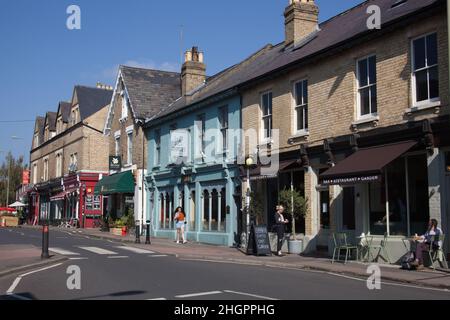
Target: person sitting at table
<point x="424" y="242"/>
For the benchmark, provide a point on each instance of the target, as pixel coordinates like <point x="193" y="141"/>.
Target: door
<point x="324" y="218"/>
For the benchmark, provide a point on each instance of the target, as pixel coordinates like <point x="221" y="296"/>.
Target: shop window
<point x="89" y="203"/>
<point x="206" y="210"/>
<point x="214" y="212"/>
<point x="325" y="209"/>
<point x="166" y="208"/>
<point x="407" y="195"/>
<point x="348" y="213"/>
<point x="97" y="202"/>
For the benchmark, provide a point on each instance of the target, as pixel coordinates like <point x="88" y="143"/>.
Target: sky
<point x="41" y="59"/>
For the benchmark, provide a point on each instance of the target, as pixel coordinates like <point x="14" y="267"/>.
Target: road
<point x="111" y="270"/>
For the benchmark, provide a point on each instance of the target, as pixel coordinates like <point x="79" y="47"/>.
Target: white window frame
<point x="157" y="147"/>
<point x="265" y="139"/>
<point x="46" y="169"/>
<point x="117" y="143"/>
<point x="59" y="163"/>
<point x="433" y="101"/>
<point x="370" y="115"/>
<point x="36" y="140"/>
<point x="200" y="124"/>
<point x="35" y="172"/>
<point x="224" y="114"/>
<point x="130" y="145"/>
<point x="304" y="105"/>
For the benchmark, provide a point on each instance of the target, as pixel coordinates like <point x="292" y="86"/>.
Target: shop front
<point x="118" y="190"/>
<point x="382" y="190"/>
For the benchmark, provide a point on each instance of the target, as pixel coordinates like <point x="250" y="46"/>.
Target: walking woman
<point x="180" y="218"/>
<point x="280" y="228"/>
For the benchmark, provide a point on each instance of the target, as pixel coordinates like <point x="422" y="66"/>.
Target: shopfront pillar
<point x="436" y="177"/>
<point x="312" y="223"/>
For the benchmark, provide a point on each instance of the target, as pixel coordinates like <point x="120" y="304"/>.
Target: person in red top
<point x="180" y="219"/>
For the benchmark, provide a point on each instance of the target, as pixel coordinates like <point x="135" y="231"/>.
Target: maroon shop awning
<point x="58" y="197"/>
<point x="365" y="165"/>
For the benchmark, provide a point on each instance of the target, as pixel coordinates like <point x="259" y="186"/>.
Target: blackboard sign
<point x="258" y="242"/>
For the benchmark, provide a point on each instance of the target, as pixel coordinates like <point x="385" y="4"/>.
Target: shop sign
<point x="351" y="180"/>
<point x="115" y="163"/>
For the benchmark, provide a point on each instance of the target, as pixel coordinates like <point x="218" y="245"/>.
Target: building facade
<point x="364" y="113"/>
<point x="68" y="156"/>
<point x="193" y="147"/>
<point x="139" y="94"/>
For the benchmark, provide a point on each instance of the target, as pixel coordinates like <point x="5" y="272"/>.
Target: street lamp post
<point x="248" y="164"/>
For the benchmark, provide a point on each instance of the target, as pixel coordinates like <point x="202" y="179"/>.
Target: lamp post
<point x="248" y="164"/>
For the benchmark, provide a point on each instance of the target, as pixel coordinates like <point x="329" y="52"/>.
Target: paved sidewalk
<point x="198" y="251"/>
<point x="19" y="258"/>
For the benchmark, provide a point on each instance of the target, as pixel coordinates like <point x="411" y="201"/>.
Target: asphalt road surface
<point x="111" y="270"/>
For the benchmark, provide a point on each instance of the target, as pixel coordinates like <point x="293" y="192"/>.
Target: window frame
<point x="224" y="126"/>
<point x="303" y="106"/>
<point x="201" y="133"/>
<point x="265" y="139"/>
<point x="371" y="114"/>
<point x="427" y="68"/>
<point x="157" y="159"/>
<point x="130" y="147"/>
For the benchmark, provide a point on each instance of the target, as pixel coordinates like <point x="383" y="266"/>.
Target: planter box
<point x="9" y="221"/>
<point x="116" y="231"/>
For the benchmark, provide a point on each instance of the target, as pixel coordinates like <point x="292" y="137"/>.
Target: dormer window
<point x="74" y="117"/>
<point x="36" y="140"/>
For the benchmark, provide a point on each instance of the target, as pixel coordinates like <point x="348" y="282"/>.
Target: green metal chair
<point x="437" y="254"/>
<point x="382" y="248"/>
<point x="341" y="243"/>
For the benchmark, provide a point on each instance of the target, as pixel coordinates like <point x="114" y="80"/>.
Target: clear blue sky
<point x="41" y="60"/>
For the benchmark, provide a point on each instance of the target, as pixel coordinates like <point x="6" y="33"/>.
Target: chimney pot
<point x="193" y="71"/>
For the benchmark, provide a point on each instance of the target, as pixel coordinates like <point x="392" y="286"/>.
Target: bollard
<point x="45" y="237"/>
<point x="138" y="236"/>
<point x="147" y="235"/>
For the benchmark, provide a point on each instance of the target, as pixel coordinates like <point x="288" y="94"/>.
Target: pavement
<point x="439" y="279"/>
<point x="19" y="258"/>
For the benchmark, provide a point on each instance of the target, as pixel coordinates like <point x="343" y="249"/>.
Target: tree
<point x="15" y="169"/>
<point x="294" y="204"/>
<point x="257" y="207"/>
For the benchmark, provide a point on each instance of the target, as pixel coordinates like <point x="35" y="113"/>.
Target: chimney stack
<point x="193" y="71"/>
<point x="301" y="19"/>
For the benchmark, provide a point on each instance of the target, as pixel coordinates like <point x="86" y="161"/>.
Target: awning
<point x="58" y="197"/>
<point x="118" y="183"/>
<point x="365" y="165"/>
<point x="270" y="171"/>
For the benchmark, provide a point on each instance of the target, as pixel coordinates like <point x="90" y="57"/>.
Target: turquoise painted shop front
<point x="206" y="183"/>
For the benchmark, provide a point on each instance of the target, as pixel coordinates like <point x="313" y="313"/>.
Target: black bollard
<point x="138" y="236"/>
<point x="45" y="236"/>
<point x="147" y="235"/>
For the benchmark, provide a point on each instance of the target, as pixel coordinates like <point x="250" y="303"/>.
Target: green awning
<point x="117" y="183"/>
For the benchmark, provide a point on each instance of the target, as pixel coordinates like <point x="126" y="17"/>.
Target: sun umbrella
<point x="17" y="204"/>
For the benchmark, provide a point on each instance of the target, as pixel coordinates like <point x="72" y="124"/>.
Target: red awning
<point x="365" y="165"/>
<point x="58" y="197"/>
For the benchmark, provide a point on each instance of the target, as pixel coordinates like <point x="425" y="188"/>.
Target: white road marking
<point x="157" y="299"/>
<point x="200" y="294"/>
<point x="17" y="296"/>
<point x="249" y="295"/>
<point x="64" y="252"/>
<point x="135" y="250"/>
<point x="158" y="256"/>
<point x="14" y="285"/>
<point x="98" y="250"/>
<point x="17" y="280"/>
<point x="78" y="258"/>
<point x="118" y="257"/>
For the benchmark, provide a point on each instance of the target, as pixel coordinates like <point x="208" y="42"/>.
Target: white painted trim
<point x="117" y="134"/>
<point x="129" y="129"/>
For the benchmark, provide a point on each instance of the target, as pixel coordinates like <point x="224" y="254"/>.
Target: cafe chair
<point x="437" y="254"/>
<point x="341" y="243"/>
<point x="382" y="249"/>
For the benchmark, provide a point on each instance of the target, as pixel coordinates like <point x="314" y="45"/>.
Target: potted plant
<point x="295" y="204"/>
<point x="117" y="227"/>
